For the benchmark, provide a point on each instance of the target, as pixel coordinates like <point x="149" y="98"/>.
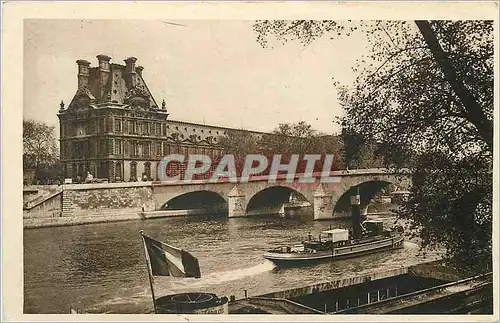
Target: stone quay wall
<point x="97" y="200"/>
<point x="91" y="203"/>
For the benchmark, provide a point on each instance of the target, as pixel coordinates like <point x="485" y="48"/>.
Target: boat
<point x="338" y="244"/>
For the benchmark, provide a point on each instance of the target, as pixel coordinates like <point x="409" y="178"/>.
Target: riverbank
<point x="43" y="222"/>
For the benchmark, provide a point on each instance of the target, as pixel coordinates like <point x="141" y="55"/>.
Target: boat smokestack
<point x="356" y="214"/>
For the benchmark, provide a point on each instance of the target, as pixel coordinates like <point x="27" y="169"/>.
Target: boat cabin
<point x="336" y="235"/>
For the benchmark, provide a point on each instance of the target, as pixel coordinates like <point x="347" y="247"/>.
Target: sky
<point x="207" y="71"/>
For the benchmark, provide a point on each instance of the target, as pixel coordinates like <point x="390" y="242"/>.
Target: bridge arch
<point x="200" y="200"/>
<point x="367" y="191"/>
<point x="368" y="187"/>
<point x="269" y="200"/>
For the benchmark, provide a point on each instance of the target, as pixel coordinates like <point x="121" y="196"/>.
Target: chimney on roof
<point x="103" y="73"/>
<point x="83" y="72"/>
<point x="130" y="74"/>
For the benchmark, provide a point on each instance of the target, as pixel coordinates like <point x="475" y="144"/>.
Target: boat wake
<point x="226" y="276"/>
<point x="142" y="296"/>
<point x="410" y="245"/>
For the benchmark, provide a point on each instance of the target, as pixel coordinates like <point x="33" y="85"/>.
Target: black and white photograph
<point x="265" y="165"/>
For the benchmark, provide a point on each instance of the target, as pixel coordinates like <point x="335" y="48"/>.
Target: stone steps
<point x="67" y="206"/>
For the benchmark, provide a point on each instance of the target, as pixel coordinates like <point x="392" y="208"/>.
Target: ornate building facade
<point x="114" y="128"/>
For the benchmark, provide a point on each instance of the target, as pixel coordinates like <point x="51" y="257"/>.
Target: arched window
<point x="133" y="171"/>
<point x="147" y="169"/>
<point x="118" y="172"/>
<point x="74" y="171"/>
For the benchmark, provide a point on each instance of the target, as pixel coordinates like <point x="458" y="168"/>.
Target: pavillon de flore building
<point x="115" y="129"/>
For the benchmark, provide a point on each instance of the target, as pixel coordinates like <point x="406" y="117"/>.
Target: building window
<point x="126" y="148"/>
<point x="125" y="126"/>
<point x="147" y="170"/>
<point x="109" y="124"/>
<point x="92" y="148"/>
<point x="118" y="147"/>
<point x="147" y="149"/>
<point x="166" y="149"/>
<point x="139" y="151"/>
<point x="102" y="146"/>
<point x="86" y="149"/>
<point x="100" y="125"/>
<point x="110" y="147"/>
<point x="158" y="129"/>
<point x="118" y="172"/>
<point x="118" y="125"/>
<point x="158" y="149"/>
<point x="133" y="171"/>
<point x="130" y="127"/>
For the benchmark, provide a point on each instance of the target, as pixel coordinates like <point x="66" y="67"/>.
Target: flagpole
<point x="149" y="270"/>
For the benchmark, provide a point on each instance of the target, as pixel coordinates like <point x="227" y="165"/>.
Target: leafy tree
<point x="286" y="139"/>
<point x="424" y="95"/>
<point x="300" y="138"/>
<point x="239" y="142"/>
<point x="358" y="152"/>
<point x="40" y="149"/>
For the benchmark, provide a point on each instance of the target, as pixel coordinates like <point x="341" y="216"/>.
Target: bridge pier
<point x="236" y="203"/>
<point x="323" y="206"/>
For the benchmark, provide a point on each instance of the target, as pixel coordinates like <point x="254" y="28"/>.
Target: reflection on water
<point x="101" y="267"/>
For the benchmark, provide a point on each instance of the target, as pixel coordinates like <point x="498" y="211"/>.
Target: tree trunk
<point x="474" y="111"/>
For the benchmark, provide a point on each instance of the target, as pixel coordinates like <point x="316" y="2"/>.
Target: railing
<point x="285" y="304"/>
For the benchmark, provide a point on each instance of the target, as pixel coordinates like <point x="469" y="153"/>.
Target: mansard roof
<point x="112" y="83"/>
<point x="122" y="86"/>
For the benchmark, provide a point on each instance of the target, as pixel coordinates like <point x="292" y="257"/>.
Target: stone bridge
<point x="257" y="196"/>
<point x="243" y="198"/>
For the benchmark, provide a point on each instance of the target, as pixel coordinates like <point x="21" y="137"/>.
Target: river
<point x="101" y="268"/>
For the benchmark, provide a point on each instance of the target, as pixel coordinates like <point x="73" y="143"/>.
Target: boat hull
<point x="355" y="250"/>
